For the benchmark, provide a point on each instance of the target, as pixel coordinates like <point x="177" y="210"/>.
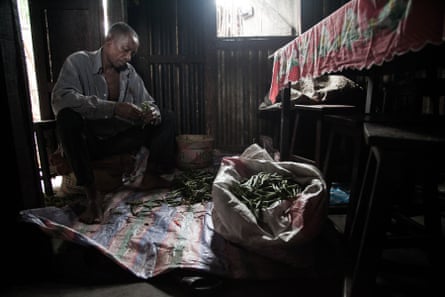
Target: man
<point x="102" y="108"/>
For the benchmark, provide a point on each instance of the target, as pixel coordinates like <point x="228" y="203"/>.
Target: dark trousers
<point x="81" y="144"/>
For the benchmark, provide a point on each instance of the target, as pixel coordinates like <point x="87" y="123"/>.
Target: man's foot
<point x="93" y="214"/>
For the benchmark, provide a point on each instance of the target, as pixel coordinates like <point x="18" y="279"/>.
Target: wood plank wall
<point x="171" y="58"/>
<point x="176" y="49"/>
<point x="312" y="11"/>
<point x="21" y="178"/>
<point x="20" y="175"/>
<point x="244" y="73"/>
<point x="214" y="86"/>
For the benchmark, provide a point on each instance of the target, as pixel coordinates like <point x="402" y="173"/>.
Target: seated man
<point x="102" y="109"/>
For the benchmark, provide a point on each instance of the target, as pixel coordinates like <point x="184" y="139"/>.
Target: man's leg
<point x="161" y="141"/>
<point x="71" y="132"/>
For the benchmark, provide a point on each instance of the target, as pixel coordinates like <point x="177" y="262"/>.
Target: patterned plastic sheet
<point x="152" y="242"/>
<point x="148" y="236"/>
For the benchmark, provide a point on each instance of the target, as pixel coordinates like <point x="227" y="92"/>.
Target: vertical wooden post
<point x="285" y="120"/>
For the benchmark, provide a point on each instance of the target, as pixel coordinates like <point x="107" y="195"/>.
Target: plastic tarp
<point x="149" y="242"/>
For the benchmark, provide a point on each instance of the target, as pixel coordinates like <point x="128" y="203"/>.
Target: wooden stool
<point x="316" y="113"/>
<point x="416" y="148"/>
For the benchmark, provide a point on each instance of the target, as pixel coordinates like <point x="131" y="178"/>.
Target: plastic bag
<point x="292" y="225"/>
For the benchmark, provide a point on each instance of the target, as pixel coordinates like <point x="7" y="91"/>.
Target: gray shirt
<point x="82" y="87"/>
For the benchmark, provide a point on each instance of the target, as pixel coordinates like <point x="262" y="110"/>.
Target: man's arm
<point x="75" y="89"/>
<point x="138" y="94"/>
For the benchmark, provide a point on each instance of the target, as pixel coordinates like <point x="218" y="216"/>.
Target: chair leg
<point x="44" y="162"/>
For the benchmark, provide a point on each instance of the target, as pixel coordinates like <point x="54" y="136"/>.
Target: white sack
<point x="291" y="225"/>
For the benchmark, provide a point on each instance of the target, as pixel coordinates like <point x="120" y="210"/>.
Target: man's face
<point x="120" y="50"/>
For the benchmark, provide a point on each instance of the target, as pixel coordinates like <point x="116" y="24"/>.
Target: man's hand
<point x="132" y="112"/>
<point x="150" y="115"/>
<point x="128" y="111"/>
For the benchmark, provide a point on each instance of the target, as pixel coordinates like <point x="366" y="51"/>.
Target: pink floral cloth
<point x="360" y="34"/>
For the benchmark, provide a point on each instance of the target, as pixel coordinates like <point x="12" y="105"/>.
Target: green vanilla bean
<point x="189" y="187"/>
<point x="263" y="189"/>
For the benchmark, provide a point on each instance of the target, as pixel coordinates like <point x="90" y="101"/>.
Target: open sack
<point x="286" y="228"/>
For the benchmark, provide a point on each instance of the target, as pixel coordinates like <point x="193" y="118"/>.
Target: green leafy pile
<point x="194" y="186"/>
<point x="188" y="188"/>
<point x="262" y="190"/>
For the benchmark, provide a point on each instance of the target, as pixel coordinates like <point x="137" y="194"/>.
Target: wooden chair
<point x="316" y="114"/>
<point x="108" y="172"/>
<point x="396" y="151"/>
<point x="46" y="144"/>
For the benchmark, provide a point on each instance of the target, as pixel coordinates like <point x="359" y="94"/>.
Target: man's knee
<point x="69" y="120"/>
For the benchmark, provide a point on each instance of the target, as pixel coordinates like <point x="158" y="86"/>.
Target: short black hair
<point x="119" y="29"/>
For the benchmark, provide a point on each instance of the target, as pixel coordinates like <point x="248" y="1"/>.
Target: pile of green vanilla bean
<point x="257" y="192"/>
<point x="193" y="186"/>
<point x="188" y="188"/>
<point x="263" y="189"/>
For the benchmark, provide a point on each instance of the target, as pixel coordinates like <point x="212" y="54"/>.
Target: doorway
<point x="25" y="26"/>
<point x="51" y="30"/>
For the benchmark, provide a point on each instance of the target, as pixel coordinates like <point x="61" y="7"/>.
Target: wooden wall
<point x="213" y="86"/>
<point x="20" y="150"/>
<point x="244" y="72"/>
<point x="28" y="252"/>
<point x="312" y="11"/>
<point x="171" y="58"/>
